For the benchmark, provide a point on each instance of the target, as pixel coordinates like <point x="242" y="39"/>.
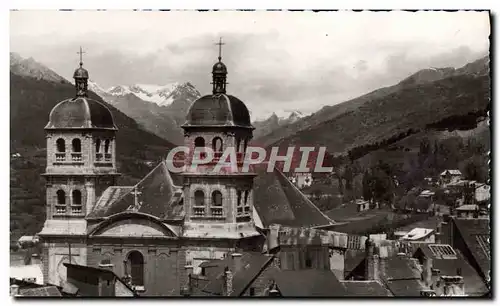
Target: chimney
<point x="274" y="291"/>
<point x="453" y="285"/>
<point x="35" y="259"/>
<point x="427" y="271"/>
<point x="14" y="290"/>
<point x="228" y="282"/>
<point x="236" y="261"/>
<point x="273" y="236"/>
<point x="371" y="261"/>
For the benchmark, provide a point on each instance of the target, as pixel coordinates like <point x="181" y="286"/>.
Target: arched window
<point x="199" y="198"/>
<point x="76" y="145"/>
<point x="216" y="198"/>
<point x="199" y="142"/>
<point x="135" y="268"/>
<point x="61" y="197"/>
<point x="97" y="145"/>
<point x="76" y="205"/>
<point x="106" y="146"/>
<point x="61" y="145"/>
<point x="61" y="202"/>
<point x="217" y="144"/>
<point x="77" y="197"/>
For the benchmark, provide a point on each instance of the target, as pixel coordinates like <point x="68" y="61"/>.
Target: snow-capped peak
<point x="162" y="95"/>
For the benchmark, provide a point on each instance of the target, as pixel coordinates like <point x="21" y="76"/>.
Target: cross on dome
<point x="81" y="52"/>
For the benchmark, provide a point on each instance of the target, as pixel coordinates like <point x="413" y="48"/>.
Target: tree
<point x="367" y="187"/>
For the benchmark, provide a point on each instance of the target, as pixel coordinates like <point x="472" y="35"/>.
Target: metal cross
<point x="136" y="193"/>
<point x="81" y="52"/>
<point x="220" y="43"/>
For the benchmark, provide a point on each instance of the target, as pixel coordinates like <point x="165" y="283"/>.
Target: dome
<point x="81" y="73"/>
<point x="218" y="110"/>
<point x="80" y="113"/>
<point x="219" y="67"/>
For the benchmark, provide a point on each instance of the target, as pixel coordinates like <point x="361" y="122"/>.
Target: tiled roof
<point x="158" y="196"/>
<point x="309" y="283"/>
<point x="47" y="291"/>
<point x="365" y="288"/>
<point x="278" y="201"/>
<point x="93" y="271"/>
<point x="399" y="268"/>
<point x="452" y="172"/>
<point x="352" y="259"/>
<point x="251" y="265"/>
<point x="406" y="288"/>
<point x="476" y="234"/>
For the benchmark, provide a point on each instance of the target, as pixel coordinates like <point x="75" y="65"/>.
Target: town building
<point x="450" y="176"/>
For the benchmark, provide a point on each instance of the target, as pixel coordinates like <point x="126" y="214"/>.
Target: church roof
<point x="278" y="201"/>
<point x="157" y="196"/>
<point x="80" y="113"/>
<point x="218" y="110"/>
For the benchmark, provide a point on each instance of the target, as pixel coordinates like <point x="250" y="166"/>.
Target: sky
<point x="277" y="61"/>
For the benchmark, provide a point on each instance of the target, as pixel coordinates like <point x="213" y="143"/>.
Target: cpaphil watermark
<point x="296" y="159"/>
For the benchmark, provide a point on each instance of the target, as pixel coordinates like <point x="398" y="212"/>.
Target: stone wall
<point x="161" y="262"/>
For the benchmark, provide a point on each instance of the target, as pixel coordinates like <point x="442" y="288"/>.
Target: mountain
<point x="267" y="126"/>
<point x="361" y="120"/>
<point x="32" y="96"/>
<point x="163" y="118"/>
<point x="30" y="68"/>
<point x="161" y="95"/>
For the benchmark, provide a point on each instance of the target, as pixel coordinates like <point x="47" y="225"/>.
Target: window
<point x="77" y="202"/>
<point x="76" y="145"/>
<point x="107" y="144"/>
<point x="199" y="198"/>
<point x="243" y="204"/>
<point x="199" y="203"/>
<point x="216" y="208"/>
<point x="134" y="268"/>
<point x="252" y="291"/>
<point x="61" y="145"/>
<point x="216" y="198"/>
<point x="199" y="142"/>
<point x="97" y="145"/>
<point x="61" y="202"/>
<point x="217" y="144"/>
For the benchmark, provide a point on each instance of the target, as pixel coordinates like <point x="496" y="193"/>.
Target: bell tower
<point x="81" y="164"/>
<point x="218" y="196"/>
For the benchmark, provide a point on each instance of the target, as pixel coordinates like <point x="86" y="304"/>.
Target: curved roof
<point x="218" y="110"/>
<point x="80" y="113"/>
<point x="81" y="73"/>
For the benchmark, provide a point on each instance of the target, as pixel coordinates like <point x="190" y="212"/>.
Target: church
<point x="156" y="233"/>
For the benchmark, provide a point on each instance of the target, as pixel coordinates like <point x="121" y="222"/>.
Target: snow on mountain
<point x="162" y="95"/>
<point x="96" y="88"/>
